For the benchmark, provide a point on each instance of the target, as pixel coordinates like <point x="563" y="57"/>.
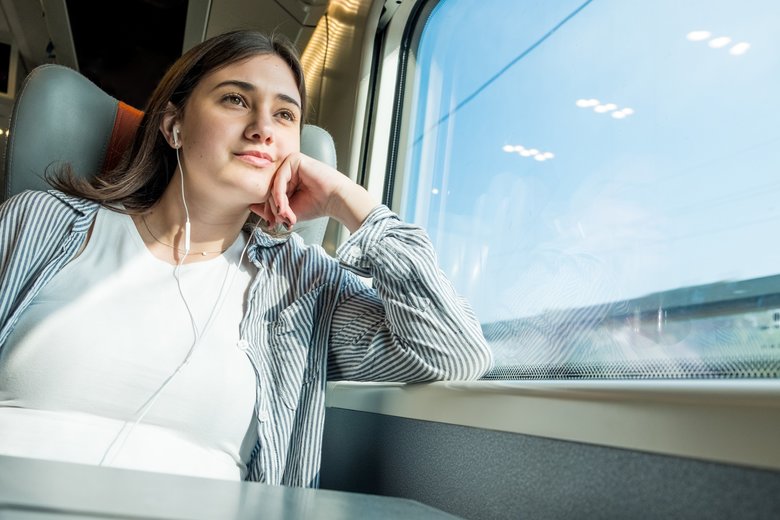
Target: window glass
<point x="601" y="181"/>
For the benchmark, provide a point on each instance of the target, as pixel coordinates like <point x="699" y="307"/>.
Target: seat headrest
<point x="60" y="115"/>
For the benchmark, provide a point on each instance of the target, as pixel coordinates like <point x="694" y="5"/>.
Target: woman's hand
<point x="304" y="188"/>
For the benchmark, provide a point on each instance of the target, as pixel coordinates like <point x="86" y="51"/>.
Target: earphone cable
<point x="186" y="209"/>
<point x="197" y="335"/>
<point x="147" y="406"/>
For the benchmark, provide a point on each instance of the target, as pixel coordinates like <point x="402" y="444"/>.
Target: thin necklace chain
<point x="204" y="253"/>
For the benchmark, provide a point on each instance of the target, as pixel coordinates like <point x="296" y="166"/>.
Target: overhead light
<point x="739" y="49"/>
<point x="587" y="103"/>
<point x="623" y="113"/>
<point x="604" y="108"/>
<point x="697" y="36"/>
<point x="522" y="151"/>
<point x="718" y="42"/>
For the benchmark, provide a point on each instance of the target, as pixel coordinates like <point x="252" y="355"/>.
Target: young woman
<point x="145" y="324"/>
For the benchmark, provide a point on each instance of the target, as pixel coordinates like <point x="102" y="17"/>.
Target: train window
<point x="600" y="181"/>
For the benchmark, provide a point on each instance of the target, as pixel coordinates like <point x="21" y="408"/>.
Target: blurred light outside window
<point x="601" y="180"/>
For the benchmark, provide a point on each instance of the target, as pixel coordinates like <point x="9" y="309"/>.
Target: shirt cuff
<point x="355" y="253"/>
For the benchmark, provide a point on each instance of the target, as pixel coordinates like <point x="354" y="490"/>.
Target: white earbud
<point x="176" y="145"/>
<point x="187" y="237"/>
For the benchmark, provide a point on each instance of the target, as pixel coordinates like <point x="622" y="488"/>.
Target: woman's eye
<point x="286" y="114"/>
<point x="234" y="99"/>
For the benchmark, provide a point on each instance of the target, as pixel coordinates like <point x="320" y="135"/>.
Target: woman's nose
<point x="261" y="129"/>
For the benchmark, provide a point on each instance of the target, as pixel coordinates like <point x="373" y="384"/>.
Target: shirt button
<point x="243" y="345"/>
<point x="355" y="251"/>
<point x="262" y="415"/>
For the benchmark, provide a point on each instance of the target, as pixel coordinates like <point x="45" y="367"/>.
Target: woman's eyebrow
<point x="243" y="85"/>
<point x="288" y="99"/>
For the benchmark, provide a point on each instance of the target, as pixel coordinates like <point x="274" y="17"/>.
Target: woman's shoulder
<point x="29" y="201"/>
<point x="35" y="198"/>
<point x="34" y="203"/>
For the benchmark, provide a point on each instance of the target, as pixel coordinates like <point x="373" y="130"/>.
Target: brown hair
<point x="146" y="168"/>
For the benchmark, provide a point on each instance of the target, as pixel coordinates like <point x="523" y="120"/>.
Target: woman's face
<point x="239" y="124"/>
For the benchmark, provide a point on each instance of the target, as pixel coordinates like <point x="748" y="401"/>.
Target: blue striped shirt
<point x="309" y="317"/>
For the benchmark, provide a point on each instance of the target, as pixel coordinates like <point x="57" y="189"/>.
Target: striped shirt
<point x="308" y="317"/>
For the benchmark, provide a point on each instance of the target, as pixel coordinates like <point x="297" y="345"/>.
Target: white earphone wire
<point x="197" y="335"/>
<point x="183" y="200"/>
<point x="147" y="406"/>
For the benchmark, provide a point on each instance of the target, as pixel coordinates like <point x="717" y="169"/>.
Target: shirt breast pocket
<point x="290" y="339"/>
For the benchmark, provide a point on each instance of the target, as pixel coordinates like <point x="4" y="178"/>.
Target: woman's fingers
<point x="283" y="186"/>
<point x="301" y="188"/>
<point x="263" y="210"/>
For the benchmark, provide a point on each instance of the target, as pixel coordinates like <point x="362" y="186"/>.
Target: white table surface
<point x="32" y="489"/>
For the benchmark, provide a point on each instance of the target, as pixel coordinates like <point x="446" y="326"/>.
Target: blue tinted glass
<point x="601" y="181"/>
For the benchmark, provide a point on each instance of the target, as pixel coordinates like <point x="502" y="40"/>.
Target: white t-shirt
<point x="92" y="353"/>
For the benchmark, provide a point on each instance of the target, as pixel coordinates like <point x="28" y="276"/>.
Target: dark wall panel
<point x="485" y="474"/>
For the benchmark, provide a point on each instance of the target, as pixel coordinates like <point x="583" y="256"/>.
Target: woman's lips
<point x="256" y="159"/>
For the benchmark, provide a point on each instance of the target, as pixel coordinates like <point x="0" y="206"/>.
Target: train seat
<point x="60" y="115"/>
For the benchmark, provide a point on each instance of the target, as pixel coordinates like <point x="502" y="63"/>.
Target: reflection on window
<point x="600" y="180"/>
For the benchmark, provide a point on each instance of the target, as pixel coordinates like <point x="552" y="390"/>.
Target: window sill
<point x="733" y="421"/>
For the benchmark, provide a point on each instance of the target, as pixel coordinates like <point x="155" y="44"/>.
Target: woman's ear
<point x="169" y="126"/>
